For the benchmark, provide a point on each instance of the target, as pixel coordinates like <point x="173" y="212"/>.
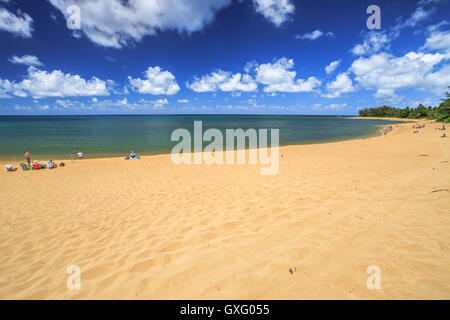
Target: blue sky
<point x="220" y="56"/>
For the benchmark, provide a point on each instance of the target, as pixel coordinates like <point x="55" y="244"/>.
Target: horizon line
<point x="176" y="114"/>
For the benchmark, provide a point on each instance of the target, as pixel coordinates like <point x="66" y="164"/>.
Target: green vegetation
<point x="441" y="113"/>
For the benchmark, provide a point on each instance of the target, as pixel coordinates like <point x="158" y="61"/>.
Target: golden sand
<point x="148" y="229"/>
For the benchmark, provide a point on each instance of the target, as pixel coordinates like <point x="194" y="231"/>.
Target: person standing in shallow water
<point x="28" y="157"/>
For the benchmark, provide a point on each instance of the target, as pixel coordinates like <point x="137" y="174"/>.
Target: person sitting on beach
<point x="80" y="155"/>
<point x="27" y="157"/>
<point x="132" y="155"/>
<point x="36" y="165"/>
<point x="62" y="164"/>
<point x="51" y="164"/>
<point x="10" y="168"/>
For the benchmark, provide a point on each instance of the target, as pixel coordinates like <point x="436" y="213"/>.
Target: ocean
<point x="61" y="137"/>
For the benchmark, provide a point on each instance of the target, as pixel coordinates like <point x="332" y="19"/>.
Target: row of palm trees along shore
<point x="441" y="113"/>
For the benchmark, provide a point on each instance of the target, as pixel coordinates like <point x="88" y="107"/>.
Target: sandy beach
<point x="149" y="229"/>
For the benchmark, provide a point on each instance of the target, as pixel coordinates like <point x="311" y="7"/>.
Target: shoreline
<point x="150" y="229"/>
<point x="390" y="119"/>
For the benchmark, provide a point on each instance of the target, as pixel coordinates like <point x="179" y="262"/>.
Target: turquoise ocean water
<point x="60" y="137"/>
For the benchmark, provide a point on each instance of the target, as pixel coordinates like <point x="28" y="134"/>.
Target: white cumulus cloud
<point x="333" y="107"/>
<point x="274" y="77"/>
<point x="116" y="23"/>
<point x="160" y="103"/>
<point x="27" y="60"/>
<point x="277" y="11"/>
<point x="377" y="41"/>
<point x="19" y="24"/>
<point x="156" y="82"/>
<point x="438" y="40"/>
<point x="40" y="84"/>
<point x="418" y="16"/>
<point x="223" y="81"/>
<point x="111" y="106"/>
<point x="342" y="84"/>
<point x="332" y="66"/>
<point x="373" y="43"/>
<point x="279" y="77"/>
<point x="316" y="34"/>
<point x="386" y="73"/>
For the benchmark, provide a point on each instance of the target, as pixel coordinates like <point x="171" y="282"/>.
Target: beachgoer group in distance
<point x="386" y="130"/>
<point x="418" y="126"/>
<point x="443" y="128"/>
<point x="35" y="165"/>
